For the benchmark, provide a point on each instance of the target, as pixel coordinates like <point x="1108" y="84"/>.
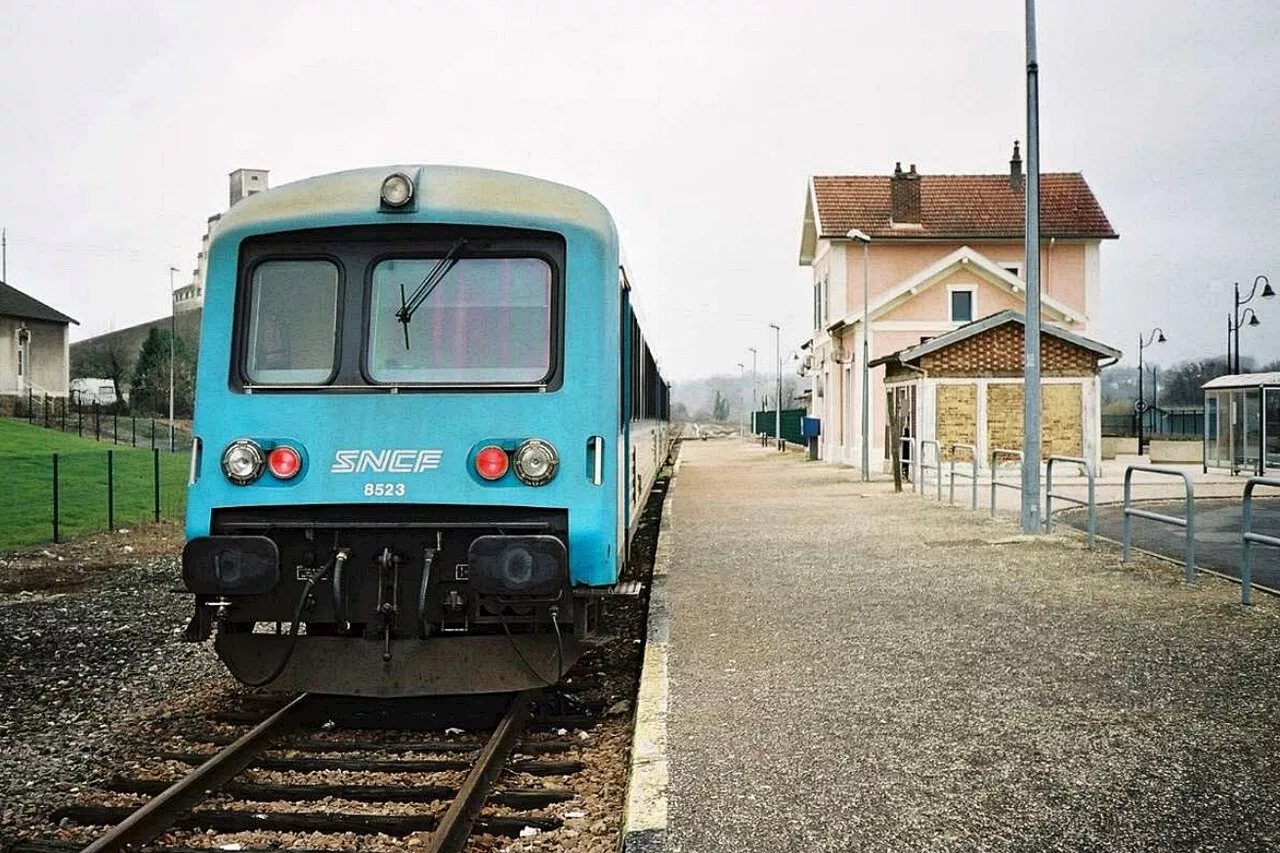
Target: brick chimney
<point x="1016" y="182"/>
<point x="905" y="193"/>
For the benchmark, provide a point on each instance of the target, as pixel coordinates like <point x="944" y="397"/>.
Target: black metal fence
<point x="55" y="496"/>
<point x="91" y="419"/>
<point x="1181" y="423"/>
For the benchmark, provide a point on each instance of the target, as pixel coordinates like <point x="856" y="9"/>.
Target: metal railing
<point x="936" y="466"/>
<point x="973" y="477"/>
<point x="1188" y="522"/>
<point x="996" y="454"/>
<point x="908" y="459"/>
<point x="1248" y="537"/>
<point x="1088" y="504"/>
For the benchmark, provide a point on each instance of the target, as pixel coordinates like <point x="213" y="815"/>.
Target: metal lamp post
<point x="755" y="395"/>
<point x="1266" y="293"/>
<point x="777" y="402"/>
<point x="742" y="377"/>
<point x="1248" y="318"/>
<point x="1031" y="335"/>
<point x="1156" y="336"/>
<point x="173" y="331"/>
<point x="860" y="237"/>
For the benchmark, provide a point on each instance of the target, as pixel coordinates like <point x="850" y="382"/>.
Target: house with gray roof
<point x="33" y="350"/>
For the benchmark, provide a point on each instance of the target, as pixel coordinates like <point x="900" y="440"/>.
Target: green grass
<point x="26" y="496"/>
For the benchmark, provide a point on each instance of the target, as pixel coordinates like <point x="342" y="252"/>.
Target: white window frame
<point x="972" y="290"/>
<point x="1014" y="267"/>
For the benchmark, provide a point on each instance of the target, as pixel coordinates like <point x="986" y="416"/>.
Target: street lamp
<point x="777" y="403"/>
<point x="1266" y="293"/>
<point x="1248" y="318"/>
<point x="742" y="377"/>
<point x="860" y="237"/>
<point x="173" y="331"/>
<point x="1156" y="336"/>
<point x="754" y="389"/>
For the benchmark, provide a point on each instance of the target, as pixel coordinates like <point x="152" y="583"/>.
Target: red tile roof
<point x="960" y="206"/>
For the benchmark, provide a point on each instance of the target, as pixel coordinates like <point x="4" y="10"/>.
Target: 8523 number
<point x="384" y="490"/>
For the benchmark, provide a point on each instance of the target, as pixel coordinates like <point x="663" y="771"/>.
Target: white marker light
<point x="535" y="462"/>
<point x="397" y="190"/>
<point x="243" y="461"/>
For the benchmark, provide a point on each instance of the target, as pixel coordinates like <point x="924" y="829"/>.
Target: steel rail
<point x="150" y="821"/>
<point x="454" y="829"/>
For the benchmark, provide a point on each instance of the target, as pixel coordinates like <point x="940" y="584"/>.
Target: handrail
<point x="937" y="466"/>
<point x="1049" y="494"/>
<point x="997" y="452"/>
<point x="1248" y="537"/>
<point x="1188" y="522"/>
<point x="973" y="451"/>
<point x="910" y="460"/>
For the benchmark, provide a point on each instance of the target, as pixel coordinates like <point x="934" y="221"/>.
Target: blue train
<point x="426" y="421"/>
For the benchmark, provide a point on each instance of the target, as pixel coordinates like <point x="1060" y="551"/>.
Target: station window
<point x="962" y="304"/>
<point x="489" y="321"/>
<point x="293" y="315"/>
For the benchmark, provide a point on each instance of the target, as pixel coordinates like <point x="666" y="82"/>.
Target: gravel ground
<point x="857" y="670"/>
<point x="96" y="680"/>
<point x="89" y="655"/>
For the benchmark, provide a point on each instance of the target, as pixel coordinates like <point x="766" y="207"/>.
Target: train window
<point x="293" y="315"/>
<point x="487" y="322"/>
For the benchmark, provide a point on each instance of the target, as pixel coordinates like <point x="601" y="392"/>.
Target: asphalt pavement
<point x="1217" y="533"/>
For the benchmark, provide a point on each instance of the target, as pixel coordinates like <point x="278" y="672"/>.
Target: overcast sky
<point x="696" y="123"/>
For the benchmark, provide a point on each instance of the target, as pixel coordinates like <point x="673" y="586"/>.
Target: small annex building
<point x="966" y="387"/>
<point x="33" y="350"/>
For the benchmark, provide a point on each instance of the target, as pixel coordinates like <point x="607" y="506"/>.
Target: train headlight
<point x="535" y="462"/>
<point x="397" y="190"/>
<point x="243" y="461"/>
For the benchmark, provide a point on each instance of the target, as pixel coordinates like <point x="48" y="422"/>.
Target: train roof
<point x="443" y="194"/>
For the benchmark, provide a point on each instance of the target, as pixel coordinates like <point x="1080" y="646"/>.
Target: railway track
<point x="213" y="799"/>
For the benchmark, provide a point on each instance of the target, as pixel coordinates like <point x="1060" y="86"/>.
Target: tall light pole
<point x="860" y="237"/>
<point x="173" y="331"/>
<point x="742" y="377"/>
<point x="754" y="388"/>
<point x="1266" y="293"/>
<point x="1031" y="338"/>
<point x="777" y="402"/>
<point x="1156" y="336"/>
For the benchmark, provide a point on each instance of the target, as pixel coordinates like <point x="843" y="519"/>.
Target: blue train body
<point x="374" y="543"/>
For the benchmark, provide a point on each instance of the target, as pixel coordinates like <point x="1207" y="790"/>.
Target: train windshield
<point x="487" y="322"/>
<point x="293" y="315"/>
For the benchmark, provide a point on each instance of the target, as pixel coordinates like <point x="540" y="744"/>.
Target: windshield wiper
<point x="430" y="283"/>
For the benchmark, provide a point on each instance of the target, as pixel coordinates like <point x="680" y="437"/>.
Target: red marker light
<point x="284" y="462"/>
<point x="492" y="462"/>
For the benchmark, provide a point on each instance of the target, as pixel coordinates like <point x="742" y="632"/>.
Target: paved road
<point x="853" y="670"/>
<point x="1217" y="534"/>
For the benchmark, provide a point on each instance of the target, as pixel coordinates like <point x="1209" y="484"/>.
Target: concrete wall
<point x="1119" y="445"/>
<point x="1174" y="452"/>
<point x="128" y="341"/>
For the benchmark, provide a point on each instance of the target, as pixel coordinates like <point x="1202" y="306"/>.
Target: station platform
<point x="851" y="669"/>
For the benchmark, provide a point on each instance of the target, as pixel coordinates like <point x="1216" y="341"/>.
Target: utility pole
<point x="777" y="402"/>
<point x="754" y="389"/>
<point x="4" y="254"/>
<point x="173" y="331"/>
<point x="1031" y="373"/>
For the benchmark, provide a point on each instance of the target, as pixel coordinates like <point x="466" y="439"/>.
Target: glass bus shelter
<point x="1242" y="422"/>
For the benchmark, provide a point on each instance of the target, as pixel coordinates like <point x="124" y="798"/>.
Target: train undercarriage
<point x="391" y="600"/>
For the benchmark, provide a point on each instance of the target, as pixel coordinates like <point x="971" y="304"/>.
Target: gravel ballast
<point x="90" y="662"/>
<point x="857" y="670"/>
